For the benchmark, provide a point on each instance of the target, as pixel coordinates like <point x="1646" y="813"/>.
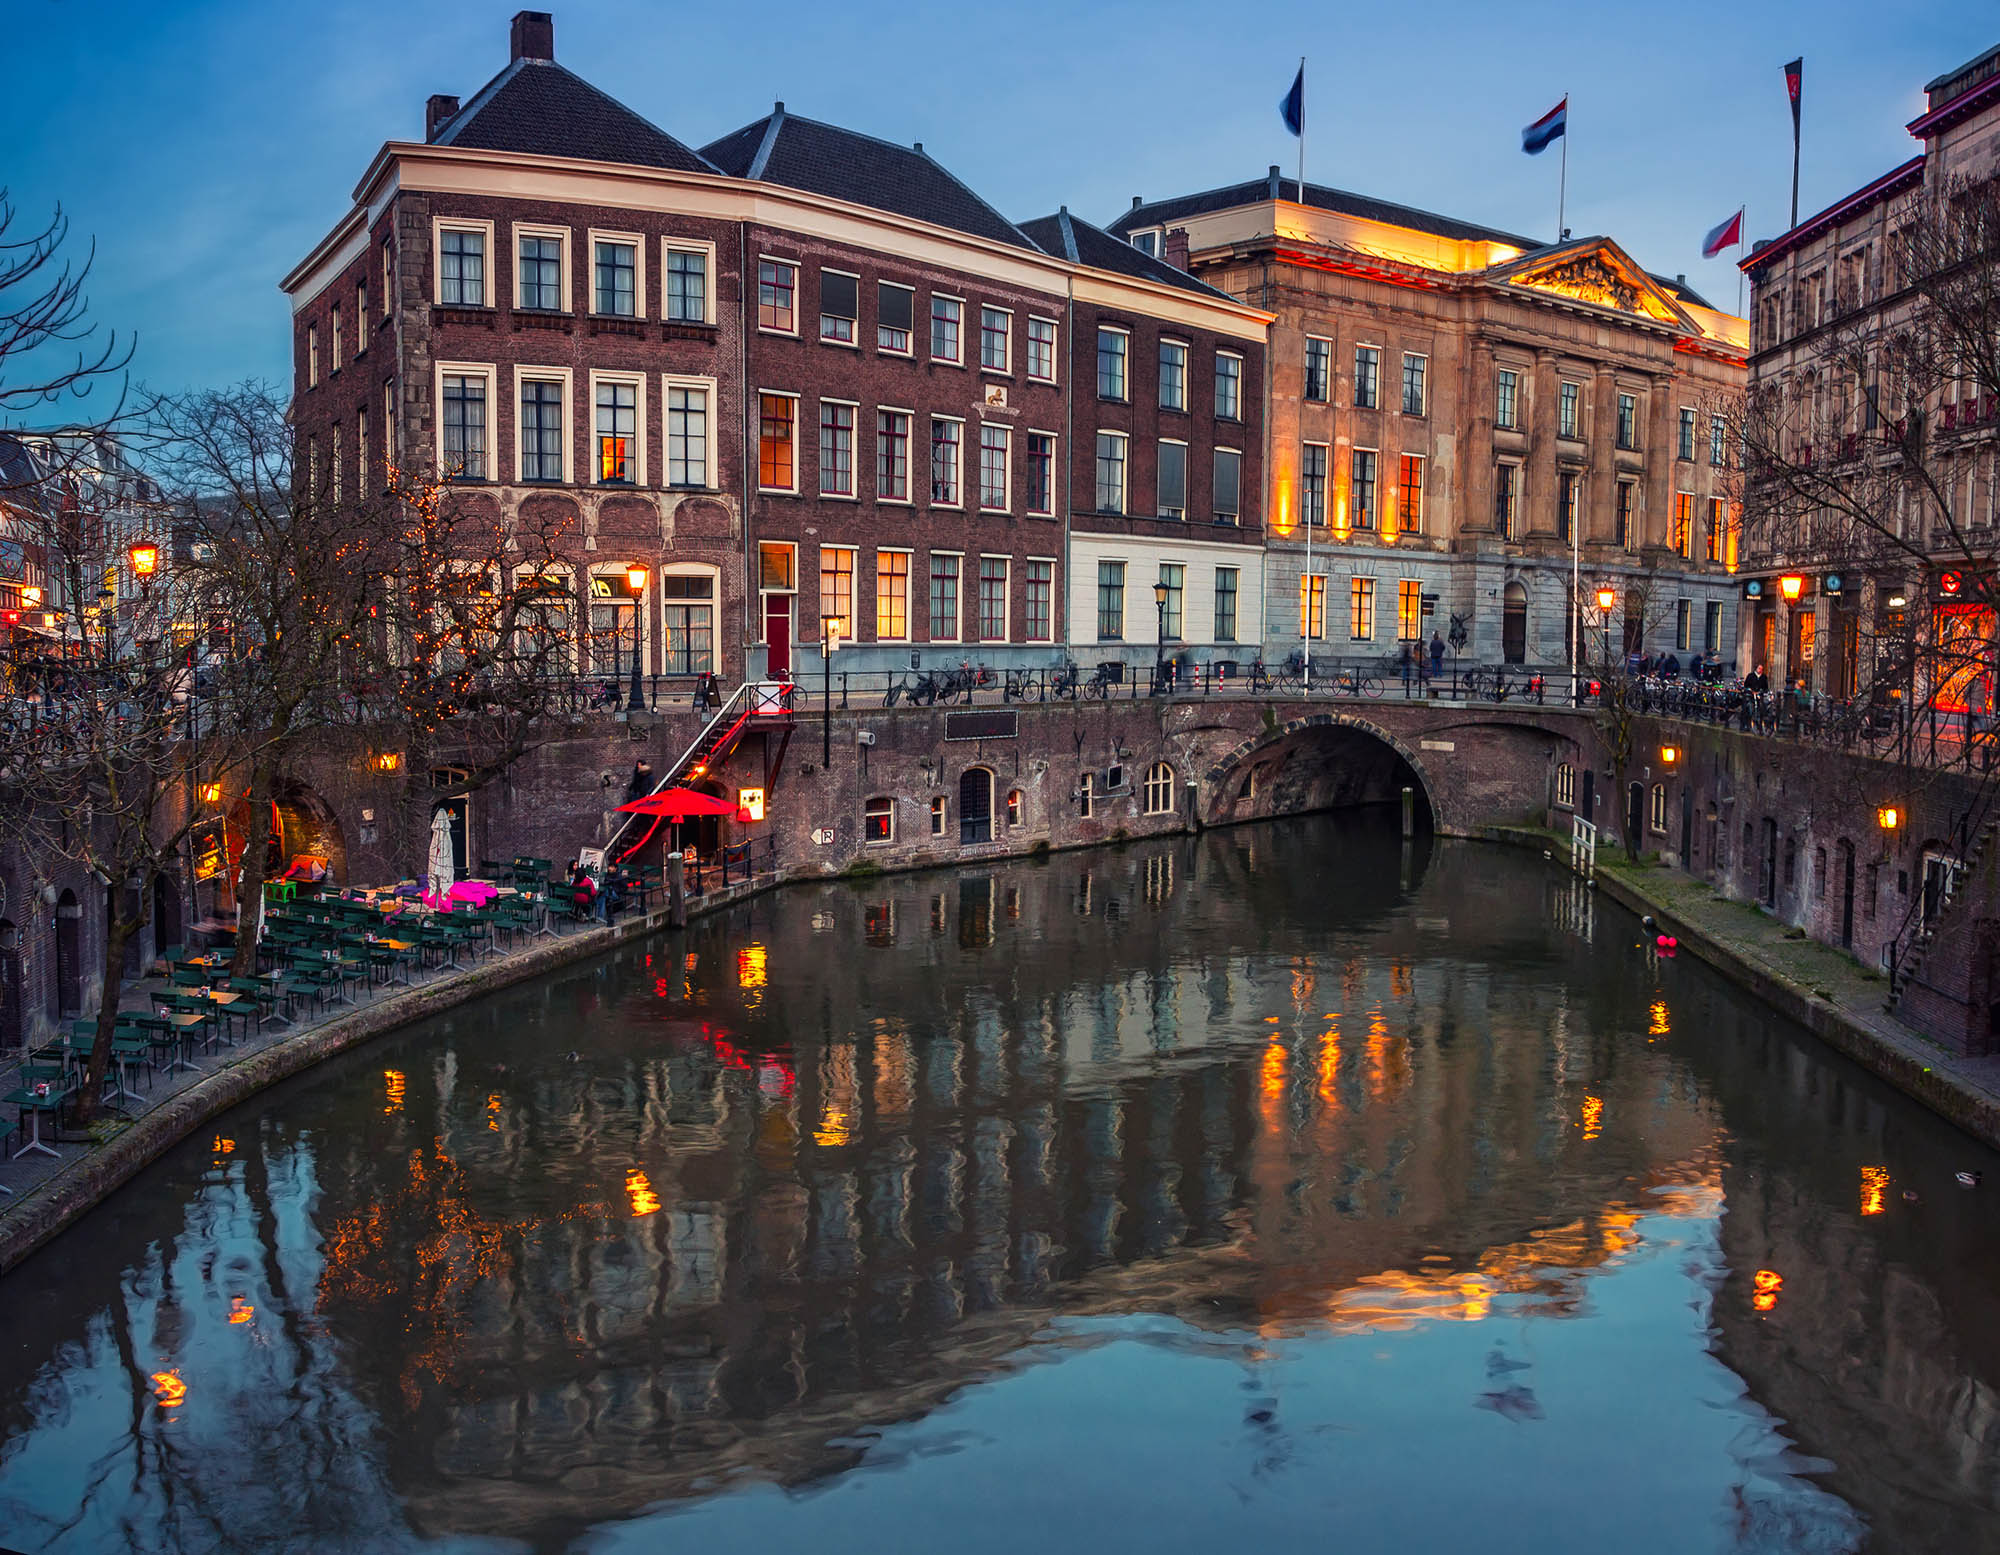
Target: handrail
<point x="673" y="770"/>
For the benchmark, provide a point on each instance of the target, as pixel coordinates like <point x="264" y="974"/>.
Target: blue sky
<point x="206" y="146"/>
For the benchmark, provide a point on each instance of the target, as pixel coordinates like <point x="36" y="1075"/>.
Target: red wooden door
<point x="778" y="636"/>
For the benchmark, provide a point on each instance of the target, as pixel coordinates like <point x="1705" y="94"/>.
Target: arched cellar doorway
<point x="68" y="985"/>
<point x="1514" y="624"/>
<point x="303" y="826"/>
<point x="1318" y="764"/>
<point x="975" y="806"/>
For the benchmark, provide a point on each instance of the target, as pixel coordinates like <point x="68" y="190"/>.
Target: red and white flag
<point x="1728" y="235"/>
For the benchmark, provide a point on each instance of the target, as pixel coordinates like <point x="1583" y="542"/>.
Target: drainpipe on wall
<point x="751" y="597"/>
<point x="1069" y="459"/>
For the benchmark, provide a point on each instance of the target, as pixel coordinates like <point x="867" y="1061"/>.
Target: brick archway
<point x="1220" y="797"/>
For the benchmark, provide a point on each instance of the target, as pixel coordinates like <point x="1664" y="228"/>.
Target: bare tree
<point x="50" y="352"/>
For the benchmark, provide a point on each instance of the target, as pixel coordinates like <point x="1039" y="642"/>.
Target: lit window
<point x="1409" y="609"/>
<point x="1015" y="807"/>
<point x="1506" y="491"/>
<point x="1312" y="606"/>
<point x="836" y="585"/>
<point x="1361" y="609"/>
<point x="878" y="821"/>
<point x="617" y="426"/>
<point x="892" y="596"/>
<point x="777" y="442"/>
<point x="1410" y="493"/>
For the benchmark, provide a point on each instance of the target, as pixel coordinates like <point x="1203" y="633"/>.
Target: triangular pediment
<point x="1598" y="273"/>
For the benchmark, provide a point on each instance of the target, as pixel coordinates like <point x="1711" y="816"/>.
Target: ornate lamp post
<point x="635" y="585"/>
<point x="830" y="628"/>
<point x="1606" y="598"/>
<point x="1160" y="639"/>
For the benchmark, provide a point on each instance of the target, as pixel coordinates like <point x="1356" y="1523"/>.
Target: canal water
<point x="1290" y="1187"/>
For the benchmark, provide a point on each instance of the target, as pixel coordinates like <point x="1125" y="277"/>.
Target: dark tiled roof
<point x="782" y="148"/>
<point x="537" y="108"/>
<point x="1161" y="212"/>
<point x="1072" y="238"/>
<point x="1680" y="291"/>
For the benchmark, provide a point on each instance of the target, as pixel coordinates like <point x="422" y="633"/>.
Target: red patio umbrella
<point x="677" y="804"/>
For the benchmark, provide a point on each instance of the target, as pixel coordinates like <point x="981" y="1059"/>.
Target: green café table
<point x="32" y="1107"/>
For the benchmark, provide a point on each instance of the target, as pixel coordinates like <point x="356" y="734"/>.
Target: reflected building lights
<point x="1874" y="1189"/>
<point x="393" y="1086"/>
<point x="1767" y="1283"/>
<point x="1593" y="1117"/>
<point x="639" y="1193"/>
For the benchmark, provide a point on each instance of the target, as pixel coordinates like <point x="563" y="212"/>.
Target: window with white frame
<point x="361" y="453"/>
<point x="688" y="597"/>
<point x="543" y="427"/>
<point x="945" y="568"/>
<point x="540" y="258"/>
<point x="690" y="269"/>
<point x="1041" y="474"/>
<point x="1038" y="600"/>
<point x="1172" y="483"/>
<point x="1685" y="449"/>
<point x="465" y="398"/>
<point x="388" y="279"/>
<point x="1367" y="377"/>
<point x="1566" y="785"/>
<point x="947" y="318"/>
<point x="462" y="251"/>
<point x="894" y="309"/>
<point x="1569" y="398"/>
<point x="312" y="356"/>
<point x="545" y="620"/>
<point x="1628" y="421"/>
<point x="1114" y="349"/>
<point x="688" y="406"/>
<point x="620" y="411"/>
<point x="1110" y="602"/>
<point x="839" y="306"/>
<point x="1416" y="370"/>
<point x="615" y="282"/>
<point x="361" y="319"/>
<point x="1228" y="386"/>
<point x="1507" y="399"/>
<point x="617" y="625"/>
<point x="1319" y="369"/>
<point x="1173" y="375"/>
<point x="1111" y="472"/>
<point x="1658" y="816"/>
<point x="1042" y="349"/>
<point x="333" y="321"/>
<point x="1159" y="789"/>
<point x="996" y="340"/>
<point x="1410" y="493"/>
<point x="1228" y="485"/>
<point x="1312" y="606"/>
<point x="1361" y="609"/>
<point x="1718" y="441"/>
<point x="836" y="448"/>
<point x="1172" y="611"/>
<point x="947" y="455"/>
<point x="334" y="466"/>
<point x="892" y="455"/>
<point x="778" y="296"/>
<point x="993" y="598"/>
<point x="1363" y="477"/>
<point x="892" y="596"/>
<point x="836" y="588"/>
<point x="1226" y="589"/>
<point x="994" y="444"/>
<point x="777" y="442"/>
<point x="878" y="821"/>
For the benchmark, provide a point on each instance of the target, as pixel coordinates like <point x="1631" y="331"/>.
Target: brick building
<point x="801" y="374"/>
<point x="1449" y="403"/>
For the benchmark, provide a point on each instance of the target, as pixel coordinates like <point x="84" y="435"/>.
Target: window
<point x="541" y="430"/>
<point x="1686" y="449"/>
<point x="1312" y="606"/>
<point x="1173" y="480"/>
<point x="836" y="449"/>
<point x="462" y="268"/>
<point x="361" y="452"/>
<point x="1173" y="578"/>
<point x="1159" y="789"/>
<point x="1319" y="368"/>
<point x="994" y="445"/>
<point x="1625" y="515"/>
<point x="777" y="442"/>
<point x="1507" y="400"/>
<point x="1409" y="609"/>
<point x="687" y="435"/>
<point x="1367" y="377"/>
<point x="334" y="466"/>
<point x="389" y="425"/>
<point x="540" y="285"/>
<point x="1110" y="602"/>
<point x="1038" y="614"/>
<point x="937" y="816"/>
<point x="1569" y="488"/>
<point x="1228" y="485"/>
<point x="361" y="319"/>
<point x="944" y="597"/>
<point x="617" y="278"/>
<point x="836" y="586"/>
<point x="892" y="596"/>
<point x="946" y="438"/>
<point x="1566" y="410"/>
<point x="1173" y="375"/>
<point x="613" y="612"/>
<point x="993" y="598"/>
<point x="1361" y="609"/>
<point x="388" y="279"/>
<point x="1083" y="797"/>
<point x="1683" y="624"/>
<point x="465" y="426"/>
<point x="878" y="821"/>
<point x="1718" y="441"/>
<point x="1312" y="485"/>
<point x="687" y="285"/>
<point x="1628" y="421"/>
<point x="1226" y="581"/>
<point x="1414" y="392"/>
<point x="1410" y="493"/>
<point x="777" y="296"/>
<point x="312" y="356"/>
<point x="1506" y="486"/>
<point x="1113" y="347"/>
<point x="334" y="326"/>
<point x="1228" y="386"/>
<point x="839" y="306"/>
<point x="996" y="340"/>
<point x="892" y="455"/>
<point x="1111" y="472"/>
<point x="1566" y="786"/>
<point x="946" y="313"/>
<point x="1658" y="818"/>
<point x="1042" y="473"/>
<point x="894" y="309"/>
<point x="1042" y="349"/>
<point x="1362" y="471"/>
<point x="1147" y="242"/>
<point x="617" y="428"/>
<point x="1712" y="536"/>
<point x="1683" y="536"/>
<point x="688" y="619"/>
<point x="312" y="466"/>
<point x="1711" y="627"/>
<point x="1015" y="804"/>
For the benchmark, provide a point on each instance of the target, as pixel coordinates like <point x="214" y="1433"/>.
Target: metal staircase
<point x="753" y="702"/>
<point x="1919" y="930"/>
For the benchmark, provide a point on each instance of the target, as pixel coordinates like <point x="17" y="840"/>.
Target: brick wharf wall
<point x="927" y="388"/>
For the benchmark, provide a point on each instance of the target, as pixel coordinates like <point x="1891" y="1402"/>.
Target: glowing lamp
<point x="31" y="596"/>
<point x="1606" y="598"/>
<point x="1888" y="817"/>
<point x="635" y="579"/>
<point x="145" y="558"/>
<point x="389" y="761"/>
<point x="211" y="793"/>
<point x="1951" y="583"/>
<point x="1791" y="586"/>
<point x="1160" y="595"/>
<point x="749" y="804"/>
<point x="1669" y="754"/>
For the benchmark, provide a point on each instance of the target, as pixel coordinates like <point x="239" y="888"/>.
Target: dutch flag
<point x="1550" y="126"/>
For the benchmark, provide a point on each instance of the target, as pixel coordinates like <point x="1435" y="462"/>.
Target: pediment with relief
<point x="1602" y="277"/>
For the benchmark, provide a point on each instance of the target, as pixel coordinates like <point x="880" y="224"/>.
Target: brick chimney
<point x="1177" y="248"/>
<point x="533" y="35"/>
<point x="439" y="111"/>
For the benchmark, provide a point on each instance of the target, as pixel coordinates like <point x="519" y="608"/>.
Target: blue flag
<point x="1293" y="108"/>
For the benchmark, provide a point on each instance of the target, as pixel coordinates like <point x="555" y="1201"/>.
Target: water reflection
<point x="827" y="1175"/>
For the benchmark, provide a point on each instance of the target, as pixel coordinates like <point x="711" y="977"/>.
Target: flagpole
<point x="1562" y="183"/>
<point x="1302" y="133"/>
<point x="1741" y="230"/>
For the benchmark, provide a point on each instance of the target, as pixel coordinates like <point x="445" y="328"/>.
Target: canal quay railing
<point x="1883" y="728"/>
<point x="1583" y="847"/>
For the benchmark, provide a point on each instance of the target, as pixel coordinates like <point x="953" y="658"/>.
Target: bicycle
<point x="1355" y="683"/>
<point x="1102" y="679"/>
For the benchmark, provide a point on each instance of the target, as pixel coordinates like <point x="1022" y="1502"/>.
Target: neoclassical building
<point x="1449" y="403"/>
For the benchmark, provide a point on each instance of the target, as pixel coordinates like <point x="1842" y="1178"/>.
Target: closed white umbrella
<point x="441" y="871"/>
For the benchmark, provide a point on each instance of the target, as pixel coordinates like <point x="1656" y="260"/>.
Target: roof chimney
<point x="918" y="148"/>
<point x="778" y="106"/>
<point x="533" y="35"/>
<point x="1176" y="253"/>
<point x="1681" y="279"/>
<point x="1273" y="182"/>
<point x="439" y="111"/>
<point x="1137" y="201"/>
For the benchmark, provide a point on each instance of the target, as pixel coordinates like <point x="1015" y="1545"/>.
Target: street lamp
<point x="1791" y="586"/>
<point x="1606" y="598"/>
<point x="145" y="559"/>
<point x="830" y="628"/>
<point x="635" y="585"/>
<point x="1160" y="638"/>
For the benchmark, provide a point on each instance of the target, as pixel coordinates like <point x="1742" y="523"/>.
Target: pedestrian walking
<point x="1437" y="654"/>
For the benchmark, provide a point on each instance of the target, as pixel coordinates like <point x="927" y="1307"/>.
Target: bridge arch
<point x="1319" y="761"/>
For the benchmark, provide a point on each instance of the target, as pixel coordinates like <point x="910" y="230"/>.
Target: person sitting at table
<point x="583" y="892"/>
<point x="612" y="897"/>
